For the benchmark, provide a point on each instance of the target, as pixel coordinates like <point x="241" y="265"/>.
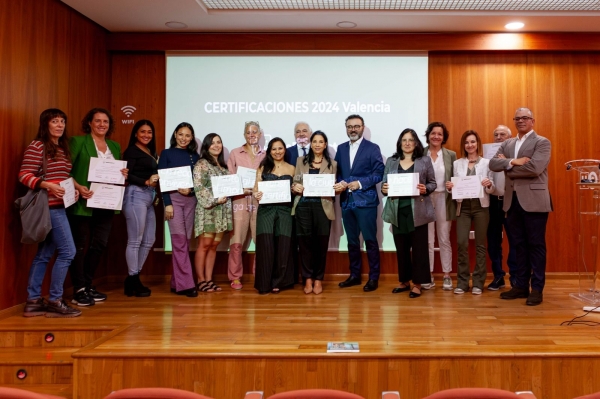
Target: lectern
<point x="588" y="212"/>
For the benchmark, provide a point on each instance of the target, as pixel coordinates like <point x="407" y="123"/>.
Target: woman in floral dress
<point x="213" y="215"/>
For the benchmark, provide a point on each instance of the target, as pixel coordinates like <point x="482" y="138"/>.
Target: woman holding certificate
<point x="88" y="224"/>
<point x="138" y="203"/>
<point x="442" y="160"/>
<point x="180" y="206"/>
<point x="472" y="184"/>
<point x="274" y="267"/>
<point x="314" y="210"/>
<point x="47" y="174"/>
<point x="213" y="215"/>
<point x="408" y="181"/>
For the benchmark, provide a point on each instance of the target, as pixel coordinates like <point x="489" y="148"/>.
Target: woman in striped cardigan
<point x="52" y="142"/>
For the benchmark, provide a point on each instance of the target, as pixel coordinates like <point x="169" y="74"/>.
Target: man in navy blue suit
<point x="360" y="168"/>
<point x="302" y="133"/>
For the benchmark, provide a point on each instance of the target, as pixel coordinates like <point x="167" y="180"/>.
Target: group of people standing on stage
<point x="514" y="182"/>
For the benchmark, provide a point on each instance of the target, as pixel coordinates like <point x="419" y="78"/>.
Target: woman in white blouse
<point x="472" y="210"/>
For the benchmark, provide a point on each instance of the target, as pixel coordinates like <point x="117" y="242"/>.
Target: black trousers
<point x="415" y="267"/>
<point x="94" y="229"/>
<point x="528" y="235"/>
<point x="312" y="229"/>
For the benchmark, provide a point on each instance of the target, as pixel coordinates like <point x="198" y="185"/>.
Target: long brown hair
<point x="44" y="135"/>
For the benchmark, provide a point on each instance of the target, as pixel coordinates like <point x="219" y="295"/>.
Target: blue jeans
<point x="141" y="225"/>
<point x="59" y="239"/>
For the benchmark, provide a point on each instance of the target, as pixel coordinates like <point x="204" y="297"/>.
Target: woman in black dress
<point x="274" y="267"/>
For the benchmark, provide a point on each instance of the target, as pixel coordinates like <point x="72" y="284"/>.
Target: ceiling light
<point x="514" y="25"/>
<point x="176" y="25"/>
<point x="346" y="25"/>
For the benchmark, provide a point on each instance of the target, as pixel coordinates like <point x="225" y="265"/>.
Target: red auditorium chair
<point x="590" y="396"/>
<point x="154" y="393"/>
<point x="315" y="394"/>
<point x="480" y="393"/>
<point x="14" y="393"/>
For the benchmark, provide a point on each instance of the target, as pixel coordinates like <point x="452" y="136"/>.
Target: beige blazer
<point x="449" y="158"/>
<point x="302" y="169"/>
<point x="529" y="181"/>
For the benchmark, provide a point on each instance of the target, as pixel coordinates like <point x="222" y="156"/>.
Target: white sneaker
<point x="447" y="283"/>
<point x="428" y="286"/>
<point x="459" y="291"/>
<point x="476" y="291"/>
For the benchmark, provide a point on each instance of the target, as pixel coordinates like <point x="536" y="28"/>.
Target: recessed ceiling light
<point x="346" y="25"/>
<point x="176" y="25"/>
<point x="514" y="25"/>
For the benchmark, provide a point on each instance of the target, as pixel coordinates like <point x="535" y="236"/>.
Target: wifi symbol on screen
<point x="128" y="110"/>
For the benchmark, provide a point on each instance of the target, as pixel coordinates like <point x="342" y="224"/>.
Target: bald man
<point x="527" y="203"/>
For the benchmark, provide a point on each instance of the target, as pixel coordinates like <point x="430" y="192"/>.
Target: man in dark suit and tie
<point x="524" y="160"/>
<point x="302" y="133"/>
<point x="360" y="168"/>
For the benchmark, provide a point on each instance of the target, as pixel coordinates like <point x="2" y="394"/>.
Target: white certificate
<point x="173" y="178"/>
<point x="275" y="191"/>
<point x="226" y="186"/>
<point x="318" y="185"/>
<point x="69" y="196"/>
<point x="403" y="184"/>
<point x="467" y="187"/>
<point x="106" y="171"/>
<point x="247" y="175"/>
<point x="489" y="150"/>
<point x="106" y="196"/>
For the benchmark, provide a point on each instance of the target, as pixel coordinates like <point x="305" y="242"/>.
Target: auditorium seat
<point x="14" y="393"/>
<point x="480" y="393"/>
<point x="154" y="393"/>
<point x="315" y="394"/>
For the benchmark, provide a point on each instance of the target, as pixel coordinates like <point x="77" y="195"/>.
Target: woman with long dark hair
<point x="213" y="215"/>
<point x="51" y="142"/>
<point x="91" y="225"/>
<point x="410" y="215"/>
<point x="180" y="206"/>
<point x="274" y="267"/>
<point x="313" y="214"/>
<point x="138" y="203"/>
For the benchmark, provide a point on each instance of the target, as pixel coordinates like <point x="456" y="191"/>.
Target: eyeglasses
<point x="408" y="140"/>
<point x="522" y="118"/>
<point x="353" y="127"/>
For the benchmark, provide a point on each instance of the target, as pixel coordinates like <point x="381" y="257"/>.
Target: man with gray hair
<point x="497" y="221"/>
<point x="302" y="133"/>
<point x="527" y="202"/>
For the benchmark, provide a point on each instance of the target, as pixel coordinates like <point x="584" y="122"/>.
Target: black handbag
<point x="35" y="212"/>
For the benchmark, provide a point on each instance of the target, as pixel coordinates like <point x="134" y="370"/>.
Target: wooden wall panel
<point x="353" y="42"/>
<point x="414" y="378"/>
<point x="481" y="90"/>
<point x="51" y="57"/>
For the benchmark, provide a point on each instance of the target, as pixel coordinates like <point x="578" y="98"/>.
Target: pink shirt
<point x="240" y="157"/>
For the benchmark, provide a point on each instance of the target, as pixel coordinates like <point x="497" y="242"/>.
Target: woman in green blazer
<point x="90" y="224"/>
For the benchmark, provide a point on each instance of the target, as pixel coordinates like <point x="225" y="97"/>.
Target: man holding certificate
<point x="470" y="187"/>
<point x="527" y="202"/>
<point x="245" y="158"/>
<point x="360" y="169"/>
<point x="313" y="206"/>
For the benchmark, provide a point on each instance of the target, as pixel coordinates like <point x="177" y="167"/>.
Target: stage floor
<point x="428" y="336"/>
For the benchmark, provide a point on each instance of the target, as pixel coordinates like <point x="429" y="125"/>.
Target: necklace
<point x="473" y="160"/>
<point x="318" y="162"/>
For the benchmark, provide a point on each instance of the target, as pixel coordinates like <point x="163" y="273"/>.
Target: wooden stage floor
<point x="224" y="344"/>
